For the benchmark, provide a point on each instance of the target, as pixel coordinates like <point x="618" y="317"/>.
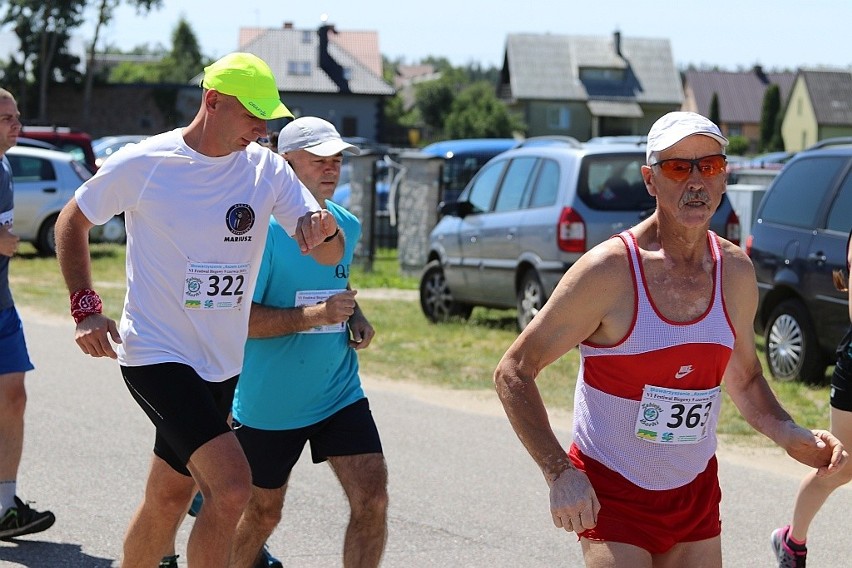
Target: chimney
<point x="288" y="25"/>
<point x="616" y="40"/>
<point x="327" y="63"/>
<point x="761" y="76"/>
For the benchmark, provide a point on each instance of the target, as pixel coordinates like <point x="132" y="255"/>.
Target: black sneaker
<point x="266" y="560"/>
<point x="169" y="561"/>
<point x="22" y="519"/>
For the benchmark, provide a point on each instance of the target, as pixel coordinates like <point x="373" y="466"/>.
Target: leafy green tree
<point x="433" y="101"/>
<point x="737" y="145"/>
<point x="43" y="28"/>
<point x="105" y="11"/>
<point x="179" y="65"/>
<point x="770" y="124"/>
<point x="478" y="113"/>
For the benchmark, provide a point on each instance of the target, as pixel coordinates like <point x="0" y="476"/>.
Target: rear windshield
<point x="613" y="182"/>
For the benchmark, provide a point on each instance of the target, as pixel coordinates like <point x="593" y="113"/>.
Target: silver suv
<point x="527" y="216"/>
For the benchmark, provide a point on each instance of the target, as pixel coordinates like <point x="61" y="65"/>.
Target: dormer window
<point x="306" y="36"/>
<point x="602" y="74"/>
<point x="302" y="68"/>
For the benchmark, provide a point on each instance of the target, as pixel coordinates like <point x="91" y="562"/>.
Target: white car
<point x="44" y="182"/>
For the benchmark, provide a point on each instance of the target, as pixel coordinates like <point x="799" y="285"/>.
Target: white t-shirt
<point x="196" y="228"/>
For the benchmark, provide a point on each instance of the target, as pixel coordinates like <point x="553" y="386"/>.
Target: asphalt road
<point x="463" y="491"/>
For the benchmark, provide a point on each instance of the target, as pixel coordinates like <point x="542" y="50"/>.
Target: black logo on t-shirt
<point x="240" y="218"/>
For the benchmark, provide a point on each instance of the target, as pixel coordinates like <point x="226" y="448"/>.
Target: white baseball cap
<point x="673" y="127"/>
<point x="317" y="136"/>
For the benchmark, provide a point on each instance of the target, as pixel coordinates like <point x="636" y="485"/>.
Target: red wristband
<point x="84" y="303"/>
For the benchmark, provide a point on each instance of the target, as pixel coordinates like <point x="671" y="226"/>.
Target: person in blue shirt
<point x="17" y="518"/>
<point x="300" y="381"/>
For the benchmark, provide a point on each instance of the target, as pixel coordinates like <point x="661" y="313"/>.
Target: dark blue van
<point x="463" y="158"/>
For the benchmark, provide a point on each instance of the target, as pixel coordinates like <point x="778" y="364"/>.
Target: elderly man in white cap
<point x="300" y="380"/>
<point x="662" y="314"/>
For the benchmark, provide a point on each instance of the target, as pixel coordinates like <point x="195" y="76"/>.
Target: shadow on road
<point x="38" y="554"/>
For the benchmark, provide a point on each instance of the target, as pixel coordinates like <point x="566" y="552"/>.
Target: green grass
<point x="457" y="355"/>
<point x="382" y="273"/>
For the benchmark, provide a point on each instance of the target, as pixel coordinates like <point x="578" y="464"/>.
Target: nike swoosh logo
<point x="684" y="371"/>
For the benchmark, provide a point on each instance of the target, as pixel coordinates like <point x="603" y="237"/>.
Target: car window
<point x="74" y="149"/>
<point x="838" y="217"/>
<point x="515" y="182"/>
<point x="30" y="168"/>
<point x="546" y="185"/>
<point x="614" y="183"/>
<point x="482" y="191"/>
<point x="791" y="200"/>
<point x="459" y="169"/>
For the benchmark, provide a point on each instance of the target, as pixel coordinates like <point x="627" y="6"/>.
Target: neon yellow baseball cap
<point x="248" y="78"/>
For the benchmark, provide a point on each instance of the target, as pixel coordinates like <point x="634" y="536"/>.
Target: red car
<point x="75" y="142"/>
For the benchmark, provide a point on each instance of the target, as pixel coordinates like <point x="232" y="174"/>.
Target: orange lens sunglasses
<point x="679" y="169"/>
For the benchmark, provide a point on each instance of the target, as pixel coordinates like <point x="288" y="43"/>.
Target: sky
<point x="781" y="34"/>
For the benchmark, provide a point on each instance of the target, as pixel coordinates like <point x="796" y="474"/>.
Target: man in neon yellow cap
<point x="196" y="202"/>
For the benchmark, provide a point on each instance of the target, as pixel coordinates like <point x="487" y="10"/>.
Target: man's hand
<point x="819" y="449"/>
<point x="339" y="308"/>
<point x="573" y="503"/>
<point x="313" y="228"/>
<point x="361" y="330"/>
<point x="8" y="241"/>
<point x="93" y="335"/>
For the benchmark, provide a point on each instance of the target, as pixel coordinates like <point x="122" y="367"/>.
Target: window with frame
<point x="481" y="193"/>
<point x="300" y="68"/>
<point x="798" y="193"/>
<point x="515" y="183"/>
<point x="559" y="117"/>
<point x="602" y="74"/>
<point x="838" y="217"/>
<point x="614" y="183"/>
<point x="546" y="185"/>
<point x="29" y="169"/>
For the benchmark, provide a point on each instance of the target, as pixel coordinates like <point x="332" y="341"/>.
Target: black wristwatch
<point x="330" y="238"/>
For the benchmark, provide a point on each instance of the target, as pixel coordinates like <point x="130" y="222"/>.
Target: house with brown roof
<point x="740" y="97"/>
<point x="820" y="107"/>
<point x="586" y="86"/>
<point x="326" y="72"/>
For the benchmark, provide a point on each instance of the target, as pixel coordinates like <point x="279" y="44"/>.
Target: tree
<point x="770" y="124"/>
<point x="185" y="59"/>
<point x="43" y="28"/>
<point x="714" y="109"/>
<point x="477" y="113"/>
<point x="177" y="65"/>
<point x="105" y="13"/>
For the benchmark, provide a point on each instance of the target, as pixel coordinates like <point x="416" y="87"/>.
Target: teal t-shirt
<point x="297" y="380"/>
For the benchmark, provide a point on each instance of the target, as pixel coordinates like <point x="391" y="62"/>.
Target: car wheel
<point x="436" y="301"/>
<point x="530" y="298"/>
<point x="114" y="231"/>
<point x="45" y="242"/>
<point x="792" y="349"/>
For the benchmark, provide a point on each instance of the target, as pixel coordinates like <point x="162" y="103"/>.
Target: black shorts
<point x="186" y="410"/>
<point x="273" y="453"/>
<point x="841" y="382"/>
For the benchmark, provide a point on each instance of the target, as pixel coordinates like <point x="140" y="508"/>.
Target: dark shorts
<point x="652" y="520"/>
<point x="13" y="348"/>
<point x="186" y="410"/>
<point x="273" y="453"/>
<point x="841" y="383"/>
